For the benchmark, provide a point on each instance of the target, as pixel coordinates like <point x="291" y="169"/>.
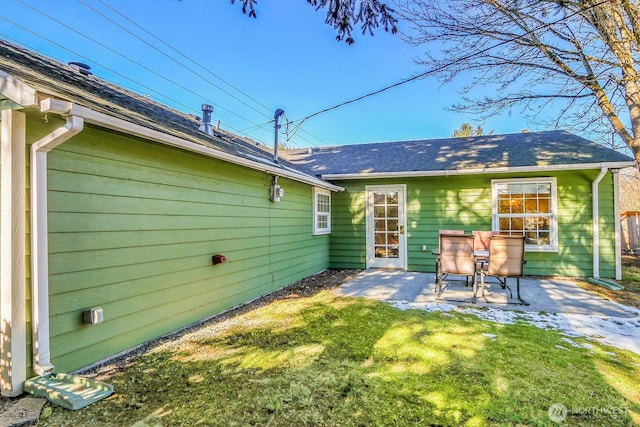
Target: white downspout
<point x="39" y="240"/>
<point x="595" y="193"/>
<point x="617" y="225"/>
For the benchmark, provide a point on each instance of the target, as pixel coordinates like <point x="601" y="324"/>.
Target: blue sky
<point x="287" y="58"/>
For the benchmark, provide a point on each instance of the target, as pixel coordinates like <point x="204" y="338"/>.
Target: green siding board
<point x="80" y="242"/>
<point x="92" y="203"/>
<point x="176" y="294"/>
<point x="66" y="222"/>
<point x="179" y="188"/>
<point x="133" y="226"/>
<point x="68" y="261"/>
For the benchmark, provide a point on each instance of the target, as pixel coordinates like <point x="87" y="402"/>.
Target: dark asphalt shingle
<point x="549" y="148"/>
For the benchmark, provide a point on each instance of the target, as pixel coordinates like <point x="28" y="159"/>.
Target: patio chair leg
<point x="438" y="278"/>
<point x="507" y="287"/>
<point x="518" y="291"/>
<point x="475" y="287"/>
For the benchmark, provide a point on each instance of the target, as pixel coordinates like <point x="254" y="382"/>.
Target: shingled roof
<point x="65" y="82"/>
<point x="489" y="153"/>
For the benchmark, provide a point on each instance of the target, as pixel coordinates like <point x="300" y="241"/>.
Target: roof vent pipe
<point x="279" y="112"/>
<point x="205" y="127"/>
<point x="80" y="67"/>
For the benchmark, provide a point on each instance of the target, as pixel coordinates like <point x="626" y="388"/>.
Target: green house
<point x="122" y="220"/>
<point x="556" y="188"/>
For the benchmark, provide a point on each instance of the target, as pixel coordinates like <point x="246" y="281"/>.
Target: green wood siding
<point x="460" y="202"/>
<point x="133" y="226"/>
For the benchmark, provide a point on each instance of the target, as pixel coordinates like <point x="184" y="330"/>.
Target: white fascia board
<point x="16" y="91"/>
<point x="103" y="120"/>
<point x="519" y="169"/>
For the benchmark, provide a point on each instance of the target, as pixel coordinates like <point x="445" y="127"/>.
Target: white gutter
<point x="452" y="172"/>
<point x="595" y="193"/>
<point x="39" y="240"/>
<point x="617" y="225"/>
<point x="114" y="123"/>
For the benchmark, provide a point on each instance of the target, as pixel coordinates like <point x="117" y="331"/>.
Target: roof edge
<point x="66" y="108"/>
<point x="501" y="170"/>
<point x="18" y="92"/>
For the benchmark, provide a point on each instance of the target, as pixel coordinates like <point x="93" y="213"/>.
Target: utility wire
<point x="79" y="55"/>
<point x="188" y="59"/>
<point x="438" y="69"/>
<point x="175" y="60"/>
<point x="188" y="107"/>
<point x="131" y="60"/>
<point x="182" y="54"/>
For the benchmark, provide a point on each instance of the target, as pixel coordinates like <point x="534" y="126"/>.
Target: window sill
<point x="540" y="249"/>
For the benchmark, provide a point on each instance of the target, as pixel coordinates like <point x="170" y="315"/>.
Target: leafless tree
<point x="579" y="56"/>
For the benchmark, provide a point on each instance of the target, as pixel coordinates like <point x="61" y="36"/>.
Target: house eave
<point x="65" y="108"/>
<point x="19" y="94"/>
<point x="478" y="171"/>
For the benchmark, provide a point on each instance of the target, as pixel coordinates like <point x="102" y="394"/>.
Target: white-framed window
<point x="527" y="206"/>
<point x="321" y="211"/>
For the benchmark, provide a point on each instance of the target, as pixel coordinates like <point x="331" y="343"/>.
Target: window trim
<point x="553" y="221"/>
<point x="321" y="230"/>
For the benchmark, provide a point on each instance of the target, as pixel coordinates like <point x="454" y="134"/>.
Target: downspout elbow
<point x="39" y="240"/>
<point x="50" y="141"/>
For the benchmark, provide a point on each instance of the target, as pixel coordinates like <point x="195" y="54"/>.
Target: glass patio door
<point x="386" y="238"/>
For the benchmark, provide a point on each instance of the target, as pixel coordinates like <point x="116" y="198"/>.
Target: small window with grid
<point x="527" y="207"/>
<point x="322" y="212"/>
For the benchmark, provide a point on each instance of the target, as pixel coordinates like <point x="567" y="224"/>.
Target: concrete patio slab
<point x="547" y="295"/>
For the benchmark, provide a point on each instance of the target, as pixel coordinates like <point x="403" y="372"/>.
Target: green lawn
<point x="324" y="360"/>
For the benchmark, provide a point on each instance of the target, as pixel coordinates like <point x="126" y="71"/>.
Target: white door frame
<point x="401" y="261"/>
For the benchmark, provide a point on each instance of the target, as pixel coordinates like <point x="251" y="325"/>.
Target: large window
<point x="527" y="207"/>
<point x="321" y="211"/>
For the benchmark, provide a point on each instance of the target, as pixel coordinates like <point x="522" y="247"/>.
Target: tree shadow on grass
<point x="328" y="360"/>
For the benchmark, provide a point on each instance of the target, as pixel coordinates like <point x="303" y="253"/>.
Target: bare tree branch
<point x="579" y="56"/>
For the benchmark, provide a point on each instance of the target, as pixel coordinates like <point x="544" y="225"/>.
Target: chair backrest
<point x="506" y="256"/>
<point x="481" y="240"/>
<point x="441" y="232"/>
<point x="456" y="254"/>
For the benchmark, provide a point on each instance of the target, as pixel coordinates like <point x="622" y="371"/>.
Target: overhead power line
<point x="437" y="69"/>
<point x="130" y="60"/>
<point x="173" y="59"/>
<point x="79" y="55"/>
<point x="181" y="54"/>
